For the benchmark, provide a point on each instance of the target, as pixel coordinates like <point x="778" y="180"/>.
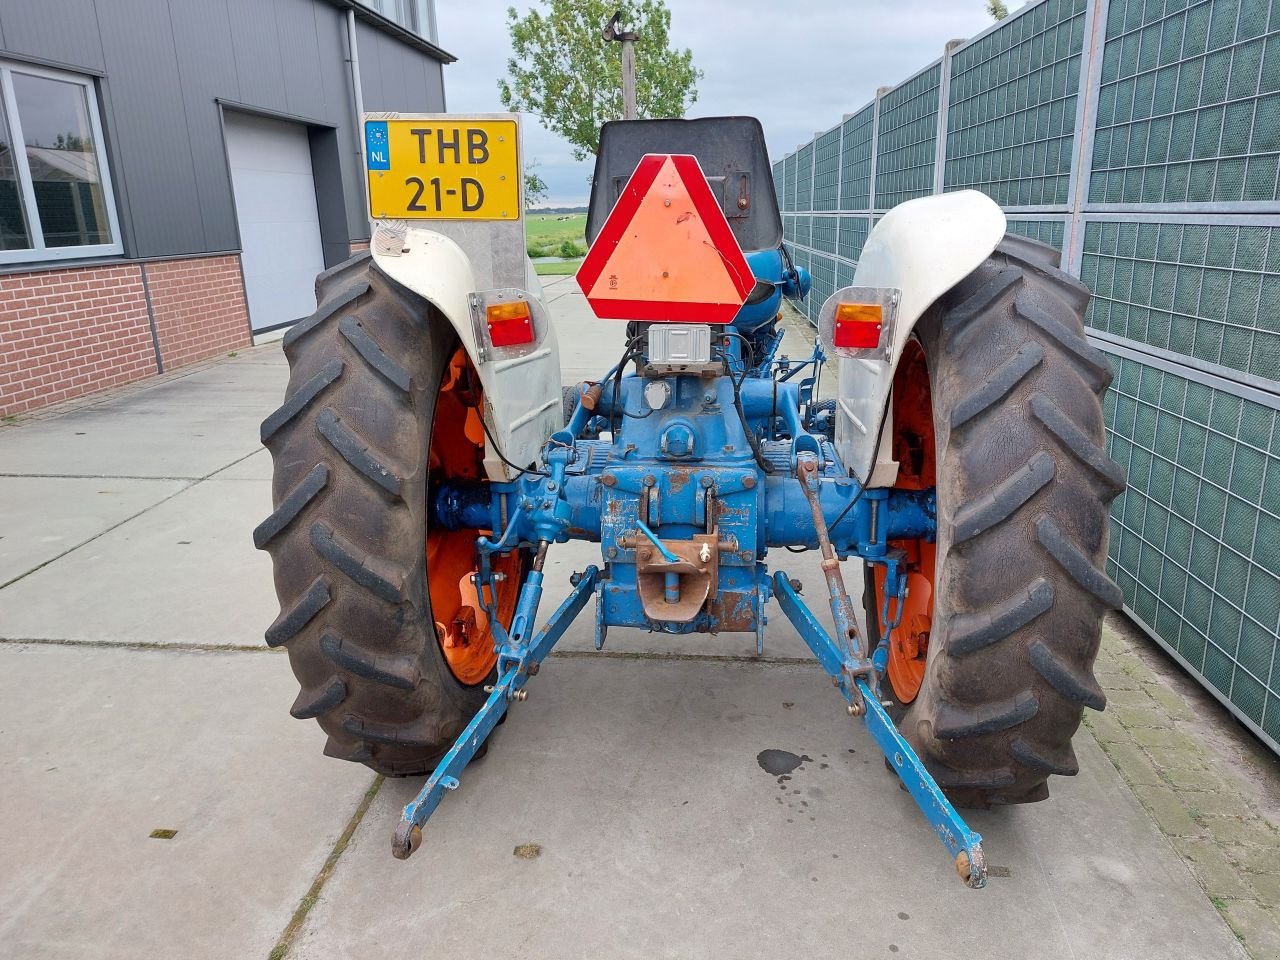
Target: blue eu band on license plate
<point x="377" y="145"/>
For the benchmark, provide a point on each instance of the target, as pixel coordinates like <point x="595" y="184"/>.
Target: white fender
<point x="522" y="394"/>
<point x="921" y="248"/>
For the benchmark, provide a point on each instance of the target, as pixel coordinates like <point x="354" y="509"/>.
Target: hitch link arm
<point x="852" y="663"/>
<point x="964" y="845"/>
<point x="518" y="661"/>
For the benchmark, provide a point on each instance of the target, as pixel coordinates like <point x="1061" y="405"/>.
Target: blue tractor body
<point x="687" y="470"/>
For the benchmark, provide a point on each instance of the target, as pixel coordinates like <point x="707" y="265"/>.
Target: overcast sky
<point x="799" y="73"/>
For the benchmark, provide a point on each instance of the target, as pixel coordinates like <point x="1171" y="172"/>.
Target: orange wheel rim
<point x="915" y="450"/>
<point x="457" y="453"/>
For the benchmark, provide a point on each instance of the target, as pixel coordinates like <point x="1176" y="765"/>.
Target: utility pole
<point x="628" y="40"/>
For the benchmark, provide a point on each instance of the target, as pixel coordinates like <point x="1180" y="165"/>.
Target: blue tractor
<point x="427" y="459"/>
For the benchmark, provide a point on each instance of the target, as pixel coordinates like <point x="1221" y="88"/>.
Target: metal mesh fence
<point x="1141" y="139"/>
<point x="826" y="170"/>
<point x="1207" y="291"/>
<point x="1189" y="105"/>
<point x="1012" y="107"/>
<point x="906" y="144"/>
<point x="855" y="160"/>
<point x="1195" y="543"/>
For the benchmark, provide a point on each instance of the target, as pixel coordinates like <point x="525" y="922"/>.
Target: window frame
<point x="38" y="252"/>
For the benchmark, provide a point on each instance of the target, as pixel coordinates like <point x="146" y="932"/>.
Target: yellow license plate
<point x="446" y="168"/>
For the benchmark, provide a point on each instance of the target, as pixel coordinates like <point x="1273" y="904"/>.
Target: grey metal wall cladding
<point x="64" y="32"/>
<point x="397" y="77"/>
<point x="1141" y="138"/>
<point x="165" y="68"/>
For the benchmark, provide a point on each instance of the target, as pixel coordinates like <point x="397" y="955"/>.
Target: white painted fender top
<point x="925" y="247"/>
<point x="922" y="248"/>
<point x="522" y="395"/>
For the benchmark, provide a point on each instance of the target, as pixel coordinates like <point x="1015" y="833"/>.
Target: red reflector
<point x="510" y="324"/>
<point x="858" y="326"/>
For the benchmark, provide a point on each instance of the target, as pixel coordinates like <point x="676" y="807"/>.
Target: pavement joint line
<point x="116" y="526"/>
<point x="94" y="476"/>
<point x="184" y="647"/>
<point x="177" y="646"/>
<point x="312" y="896"/>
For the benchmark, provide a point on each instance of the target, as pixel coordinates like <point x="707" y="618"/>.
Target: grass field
<point x="560" y="268"/>
<point x="545" y="233"/>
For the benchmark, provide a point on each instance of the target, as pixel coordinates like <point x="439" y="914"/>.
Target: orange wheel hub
<point x="457" y="453"/>
<point x="915" y="450"/>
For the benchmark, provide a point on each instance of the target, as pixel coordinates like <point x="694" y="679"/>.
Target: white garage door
<point x="276" y="208"/>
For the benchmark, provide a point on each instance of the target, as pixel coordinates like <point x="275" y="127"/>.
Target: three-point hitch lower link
<point x="519" y="656"/>
<point x="855" y="672"/>
<point x="858" y="680"/>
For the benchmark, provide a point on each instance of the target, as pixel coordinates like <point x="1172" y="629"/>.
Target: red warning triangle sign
<point x="666" y="252"/>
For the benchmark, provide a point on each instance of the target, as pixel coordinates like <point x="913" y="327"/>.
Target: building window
<point x="55" y="189"/>
<point x="417" y="16"/>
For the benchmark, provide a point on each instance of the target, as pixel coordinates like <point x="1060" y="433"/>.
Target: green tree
<point x="535" y="188"/>
<point x="997" y="9"/>
<point x="567" y="75"/>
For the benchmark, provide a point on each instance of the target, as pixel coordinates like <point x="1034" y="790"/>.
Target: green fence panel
<point x="1052" y="232"/>
<point x="1195" y="540"/>
<point x="907" y="139"/>
<point x="804" y="177"/>
<point x="853" y="234"/>
<point x="1012" y="107"/>
<point x="1210" y="291"/>
<point x="1189" y="107"/>
<point x="822" y="235"/>
<point x="855" y="161"/>
<point x="826" y="170"/>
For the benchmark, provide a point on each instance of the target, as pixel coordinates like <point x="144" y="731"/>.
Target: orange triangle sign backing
<point x="666" y="252"/>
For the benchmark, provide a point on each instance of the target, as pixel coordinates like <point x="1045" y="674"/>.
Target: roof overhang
<point x="403" y="34"/>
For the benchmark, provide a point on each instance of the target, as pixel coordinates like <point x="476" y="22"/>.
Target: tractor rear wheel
<point x="378" y="615"/>
<point x="996" y="401"/>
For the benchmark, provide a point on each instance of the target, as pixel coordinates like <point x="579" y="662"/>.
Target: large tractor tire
<point x="996" y="402"/>
<point x="378" y="615"/>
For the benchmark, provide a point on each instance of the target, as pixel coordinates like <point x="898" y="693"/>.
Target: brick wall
<point x="359" y="245"/>
<point x="65" y="333"/>
<point x="199" y="308"/>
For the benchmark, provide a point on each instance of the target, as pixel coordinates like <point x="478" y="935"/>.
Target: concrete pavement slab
<point x="42" y="517"/>
<point x="661" y="835"/>
<point x="118" y="743"/>
<point x="186" y="427"/>
<point x="184" y="572"/>
<point x="132" y="438"/>
<point x="254" y="467"/>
